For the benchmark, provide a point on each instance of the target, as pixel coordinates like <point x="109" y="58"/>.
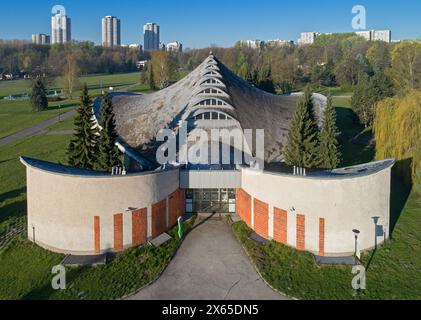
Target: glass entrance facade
<point x="210" y="201"/>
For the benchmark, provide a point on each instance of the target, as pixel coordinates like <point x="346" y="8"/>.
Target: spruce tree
<point x="329" y="153"/>
<point x="301" y="149"/>
<point x="82" y="150"/>
<point x="108" y="156"/>
<point x="39" y="99"/>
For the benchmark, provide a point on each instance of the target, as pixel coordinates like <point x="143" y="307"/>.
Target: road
<point x="210" y="265"/>
<point x="35" y="129"/>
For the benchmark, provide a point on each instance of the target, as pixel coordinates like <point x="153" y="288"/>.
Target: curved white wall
<point x="345" y="203"/>
<point x="61" y="208"/>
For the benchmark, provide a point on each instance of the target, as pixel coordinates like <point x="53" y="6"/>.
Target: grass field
<point x="18" y="115"/>
<point x="94" y="82"/>
<point x="353" y="152"/>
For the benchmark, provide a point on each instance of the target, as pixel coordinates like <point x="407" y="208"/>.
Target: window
<point x="222" y="116"/>
<point x="214" y="115"/>
<point x="199" y="117"/>
<point x="207" y="116"/>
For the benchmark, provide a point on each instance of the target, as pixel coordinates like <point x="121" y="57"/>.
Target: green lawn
<point x="18" y="115"/>
<point x="353" y="152"/>
<point x="337" y="91"/>
<point x="94" y="82"/>
<point x="393" y="271"/>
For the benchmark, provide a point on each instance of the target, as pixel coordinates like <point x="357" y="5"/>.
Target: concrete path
<point x="35" y="129"/>
<point x="210" y="265"/>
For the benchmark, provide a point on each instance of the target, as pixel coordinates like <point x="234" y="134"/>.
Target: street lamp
<point x="357" y="250"/>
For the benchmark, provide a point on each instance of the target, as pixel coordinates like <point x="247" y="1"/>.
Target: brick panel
<point x="159" y="218"/>
<point x="280" y="226"/>
<point x="244" y="206"/>
<point x="261" y="218"/>
<point x="97" y="235"/>
<point x="321" y="237"/>
<point x="176" y="206"/>
<point x="139" y="227"/>
<point x="301" y="232"/>
<point x="118" y="232"/>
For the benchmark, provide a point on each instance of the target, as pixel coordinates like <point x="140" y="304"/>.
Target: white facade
<point x="308" y="37"/>
<point x="382" y="35"/>
<point x="111" y="33"/>
<point x="252" y="44"/>
<point x="151" y="37"/>
<point x="174" y="47"/>
<point x="279" y="43"/>
<point x="60" y="29"/>
<point x="41" y="39"/>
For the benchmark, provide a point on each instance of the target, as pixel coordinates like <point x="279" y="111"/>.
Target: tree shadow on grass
<point x="46" y="291"/>
<point x="401" y="187"/>
<point x="11" y="194"/>
<point x="13" y="210"/>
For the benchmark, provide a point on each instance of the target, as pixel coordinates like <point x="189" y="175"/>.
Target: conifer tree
<point x="108" y="156"/>
<point x="301" y="149"/>
<point x="329" y="154"/>
<point x="39" y="99"/>
<point x="82" y="150"/>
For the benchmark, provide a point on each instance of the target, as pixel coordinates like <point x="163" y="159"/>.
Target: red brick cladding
<point x="118" y="232"/>
<point x="139" y="227"/>
<point x="280" y="226"/>
<point x="159" y="218"/>
<point x="176" y="206"/>
<point x="244" y="206"/>
<point x="261" y="218"/>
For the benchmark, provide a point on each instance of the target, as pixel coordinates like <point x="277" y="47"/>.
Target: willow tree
<point x="397" y="129"/>
<point x="302" y="146"/>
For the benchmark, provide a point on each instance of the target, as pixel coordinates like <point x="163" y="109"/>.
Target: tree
<point x="406" y="66"/>
<point x="328" y="153"/>
<point x="301" y="149"/>
<point x="108" y="156"/>
<point x="367" y="93"/>
<point x="397" y="129"/>
<point x="150" y="76"/>
<point x="82" y="149"/>
<point x="39" y="99"/>
<point x="163" y="68"/>
<point x="71" y="74"/>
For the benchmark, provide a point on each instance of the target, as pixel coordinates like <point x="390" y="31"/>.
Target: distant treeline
<point x="19" y="57"/>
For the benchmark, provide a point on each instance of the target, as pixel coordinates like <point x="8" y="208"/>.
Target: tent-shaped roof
<point x="211" y="85"/>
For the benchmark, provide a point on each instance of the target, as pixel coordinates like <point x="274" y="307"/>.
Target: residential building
<point x="279" y="43"/>
<point x="111" y="32"/>
<point x="308" y="37"/>
<point x="41" y="39"/>
<point x="382" y="35"/>
<point x="252" y="44"/>
<point x="151" y="37"/>
<point x="60" y="29"/>
<point x="175" y="47"/>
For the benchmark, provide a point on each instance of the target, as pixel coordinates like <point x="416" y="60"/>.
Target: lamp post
<point x="357" y="251"/>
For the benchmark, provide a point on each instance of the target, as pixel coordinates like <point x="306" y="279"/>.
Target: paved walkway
<point x="210" y="265"/>
<point x="35" y="129"/>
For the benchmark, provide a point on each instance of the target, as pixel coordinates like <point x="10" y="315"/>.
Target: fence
<point x="13" y="231"/>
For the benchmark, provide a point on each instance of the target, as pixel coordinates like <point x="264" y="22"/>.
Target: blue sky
<point x="198" y="23"/>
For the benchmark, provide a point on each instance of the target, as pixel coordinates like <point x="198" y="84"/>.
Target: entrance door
<point x="210" y="201"/>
